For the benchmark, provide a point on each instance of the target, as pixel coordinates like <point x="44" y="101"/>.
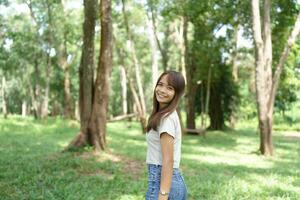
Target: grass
<point x="224" y="165"/>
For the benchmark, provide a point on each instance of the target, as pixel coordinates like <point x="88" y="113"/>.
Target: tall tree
<point x="63" y="60"/>
<point x="154" y="57"/>
<point x="266" y="83"/>
<point x="101" y="95"/>
<point x="140" y="98"/>
<point x="94" y="96"/>
<point x="163" y="49"/>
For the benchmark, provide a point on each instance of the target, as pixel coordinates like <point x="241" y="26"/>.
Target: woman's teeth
<point x="161" y="96"/>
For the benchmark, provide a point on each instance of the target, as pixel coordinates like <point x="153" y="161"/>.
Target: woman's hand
<point x="161" y="197"/>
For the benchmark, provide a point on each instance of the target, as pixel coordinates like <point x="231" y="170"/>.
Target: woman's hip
<point x="178" y="190"/>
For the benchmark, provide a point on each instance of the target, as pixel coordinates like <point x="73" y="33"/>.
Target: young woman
<point x="165" y="181"/>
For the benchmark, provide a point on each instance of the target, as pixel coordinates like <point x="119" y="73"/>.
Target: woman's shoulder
<point x="173" y="116"/>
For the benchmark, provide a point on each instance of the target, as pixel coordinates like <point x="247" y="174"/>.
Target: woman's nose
<point x="162" y="89"/>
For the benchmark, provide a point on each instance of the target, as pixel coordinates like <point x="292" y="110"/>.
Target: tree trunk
<point x="215" y="112"/>
<point x="207" y="99"/>
<point x="68" y="104"/>
<point x="93" y="126"/>
<point x="76" y="111"/>
<point x="4" y="98"/>
<point x="203" y="117"/>
<point x="140" y="98"/>
<point x="56" y="108"/>
<point x="35" y="88"/>
<point x="24" y="108"/>
<point x="35" y="92"/>
<point x="151" y="32"/>
<point x="123" y="82"/>
<point x="63" y="56"/>
<point x="68" y="108"/>
<point x="191" y="87"/>
<point x="266" y="85"/>
<point x="86" y="78"/>
<point x="233" y="118"/>
<point x="136" y="100"/>
<point x="263" y="64"/>
<point x="101" y="97"/>
<point x="163" y="51"/>
<point x="191" y="96"/>
<point x="180" y="39"/>
<point x="182" y="31"/>
<point x="45" y="103"/>
<point x="142" y="118"/>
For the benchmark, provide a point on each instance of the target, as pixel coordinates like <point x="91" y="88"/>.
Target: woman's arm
<point x="167" y="147"/>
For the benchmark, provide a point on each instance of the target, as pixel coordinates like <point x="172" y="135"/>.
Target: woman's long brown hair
<point x="176" y="80"/>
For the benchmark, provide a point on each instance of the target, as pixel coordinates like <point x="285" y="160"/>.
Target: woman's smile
<point x="161" y="95"/>
<point x="164" y="92"/>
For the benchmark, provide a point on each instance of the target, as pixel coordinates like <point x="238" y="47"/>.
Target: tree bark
<point x="163" y="51"/>
<point x="24" y="108"/>
<point x="136" y="100"/>
<point x="63" y="56"/>
<point x="93" y="127"/>
<point x="151" y="33"/>
<point x="68" y="103"/>
<point x="216" y="113"/>
<point x="207" y="99"/>
<point x="191" y="87"/>
<point x="263" y="64"/>
<point x="123" y="82"/>
<point x="101" y="97"/>
<point x="233" y="118"/>
<point x="140" y="98"/>
<point x="35" y="88"/>
<point x="45" y="102"/>
<point x="142" y="118"/>
<point x="76" y="111"/>
<point x="182" y="31"/>
<point x="4" y="98"/>
<point x="86" y="78"/>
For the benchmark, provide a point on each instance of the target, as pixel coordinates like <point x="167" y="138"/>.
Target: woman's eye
<point x="170" y="88"/>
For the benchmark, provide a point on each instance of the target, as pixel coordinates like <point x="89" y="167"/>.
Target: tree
<point x="206" y="62"/>
<point x="94" y="96"/>
<point x="140" y="97"/>
<point x="266" y="83"/>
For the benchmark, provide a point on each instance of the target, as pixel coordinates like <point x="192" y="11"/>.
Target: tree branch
<point x="284" y="55"/>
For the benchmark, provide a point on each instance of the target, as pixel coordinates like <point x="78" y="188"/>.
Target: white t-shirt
<point x="170" y="125"/>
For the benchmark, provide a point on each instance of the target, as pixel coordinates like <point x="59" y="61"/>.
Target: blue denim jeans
<point x="178" y="189"/>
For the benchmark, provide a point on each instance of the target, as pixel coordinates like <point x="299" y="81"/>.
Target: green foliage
<point x="34" y="35"/>
<point x="34" y="38"/>
<point x="220" y="166"/>
<point x="223" y="84"/>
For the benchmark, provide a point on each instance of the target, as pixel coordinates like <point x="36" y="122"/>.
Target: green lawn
<point x="222" y="166"/>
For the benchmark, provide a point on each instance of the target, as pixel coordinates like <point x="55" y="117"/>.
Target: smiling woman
<point x="164" y="140"/>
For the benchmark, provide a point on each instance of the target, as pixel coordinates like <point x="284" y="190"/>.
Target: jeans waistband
<point x="159" y="167"/>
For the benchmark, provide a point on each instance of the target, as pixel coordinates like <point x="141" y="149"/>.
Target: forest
<point x="76" y="90"/>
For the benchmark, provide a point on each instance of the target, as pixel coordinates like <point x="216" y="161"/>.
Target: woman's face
<point x="164" y="92"/>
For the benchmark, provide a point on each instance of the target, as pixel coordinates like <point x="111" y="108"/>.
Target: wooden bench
<point x="201" y="132"/>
